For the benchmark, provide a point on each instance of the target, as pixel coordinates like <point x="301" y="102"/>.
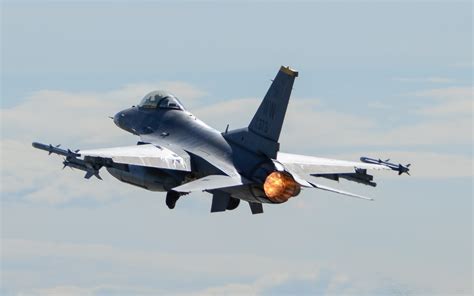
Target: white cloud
<point x="305" y="130"/>
<point x="447" y="93"/>
<point x="452" y="101"/>
<point x="431" y="79"/>
<point x="146" y="260"/>
<point x="327" y="128"/>
<point x="457" y="108"/>
<point x="92" y="290"/>
<point x="140" y="263"/>
<point x="77" y="120"/>
<point x="312" y="282"/>
<point x="263" y="274"/>
<point x="465" y="64"/>
<point x="235" y="112"/>
<point x="379" y="105"/>
<point x="429" y="133"/>
<point x="334" y="129"/>
<point x="60" y="291"/>
<point x="448" y="101"/>
<point x="46" y="182"/>
<point x="80" y="117"/>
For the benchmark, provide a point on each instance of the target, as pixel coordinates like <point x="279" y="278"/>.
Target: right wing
<point x="326" y="188"/>
<point x="305" y="169"/>
<point x="91" y="161"/>
<point x="147" y="155"/>
<point x="333" y="169"/>
<point x="309" y="165"/>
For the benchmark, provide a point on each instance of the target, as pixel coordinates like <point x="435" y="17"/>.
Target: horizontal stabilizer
<point x="300" y="180"/>
<point x="322" y="187"/>
<point x="211" y="182"/>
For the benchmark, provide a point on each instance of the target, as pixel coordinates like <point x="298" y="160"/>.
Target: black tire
<point x="233" y="203"/>
<point x="171" y="199"/>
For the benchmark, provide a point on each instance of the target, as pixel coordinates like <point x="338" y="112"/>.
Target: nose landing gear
<point x="171" y="199"/>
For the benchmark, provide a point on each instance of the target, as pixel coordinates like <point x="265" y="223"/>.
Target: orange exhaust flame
<point x="279" y="187"/>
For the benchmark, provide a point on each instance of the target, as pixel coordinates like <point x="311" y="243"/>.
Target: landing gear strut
<point x="171" y="199"/>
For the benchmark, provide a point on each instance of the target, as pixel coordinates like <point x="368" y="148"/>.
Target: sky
<point x="391" y="79"/>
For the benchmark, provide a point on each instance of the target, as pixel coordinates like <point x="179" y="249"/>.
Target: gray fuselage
<point x="179" y="129"/>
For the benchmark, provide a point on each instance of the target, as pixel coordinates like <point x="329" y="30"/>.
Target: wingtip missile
<point x="71" y="159"/>
<point x="54" y="149"/>
<point x="396" y="167"/>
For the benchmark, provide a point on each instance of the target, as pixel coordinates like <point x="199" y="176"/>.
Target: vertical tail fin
<point x="262" y="134"/>
<point x="268" y="120"/>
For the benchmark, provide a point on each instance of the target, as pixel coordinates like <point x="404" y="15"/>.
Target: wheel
<point x="171" y="199"/>
<point x="233" y="203"/>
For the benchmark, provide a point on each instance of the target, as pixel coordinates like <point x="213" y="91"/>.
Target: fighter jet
<point x="178" y="154"/>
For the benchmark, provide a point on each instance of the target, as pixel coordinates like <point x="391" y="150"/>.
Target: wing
<point x="309" y="165"/>
<point x="91" y="161"/>
<point x="304" y="169"/>
<point x="326" y="188"/>
<point x="143" y="155"/>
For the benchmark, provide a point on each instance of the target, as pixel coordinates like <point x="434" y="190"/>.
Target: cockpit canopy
<point x="160" y="99"/>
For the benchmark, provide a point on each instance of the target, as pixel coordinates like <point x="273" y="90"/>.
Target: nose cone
<point x="117" y="119"/>
<point x="124" y="120"/>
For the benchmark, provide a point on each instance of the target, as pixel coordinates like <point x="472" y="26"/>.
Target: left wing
<point x="304" y="168"/>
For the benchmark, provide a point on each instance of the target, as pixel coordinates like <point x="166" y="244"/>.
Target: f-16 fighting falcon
<point x="178" y="154"/>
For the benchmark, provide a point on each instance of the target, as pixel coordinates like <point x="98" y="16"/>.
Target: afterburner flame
<point x="279" y="187"/>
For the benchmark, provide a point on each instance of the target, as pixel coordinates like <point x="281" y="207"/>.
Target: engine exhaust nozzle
<point x="280" y="186"/>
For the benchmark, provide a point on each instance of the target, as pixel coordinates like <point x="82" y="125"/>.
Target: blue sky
<point x="390" y="79"/>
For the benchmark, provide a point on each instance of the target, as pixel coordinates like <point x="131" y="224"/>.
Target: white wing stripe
<point x="144" y="155"/>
